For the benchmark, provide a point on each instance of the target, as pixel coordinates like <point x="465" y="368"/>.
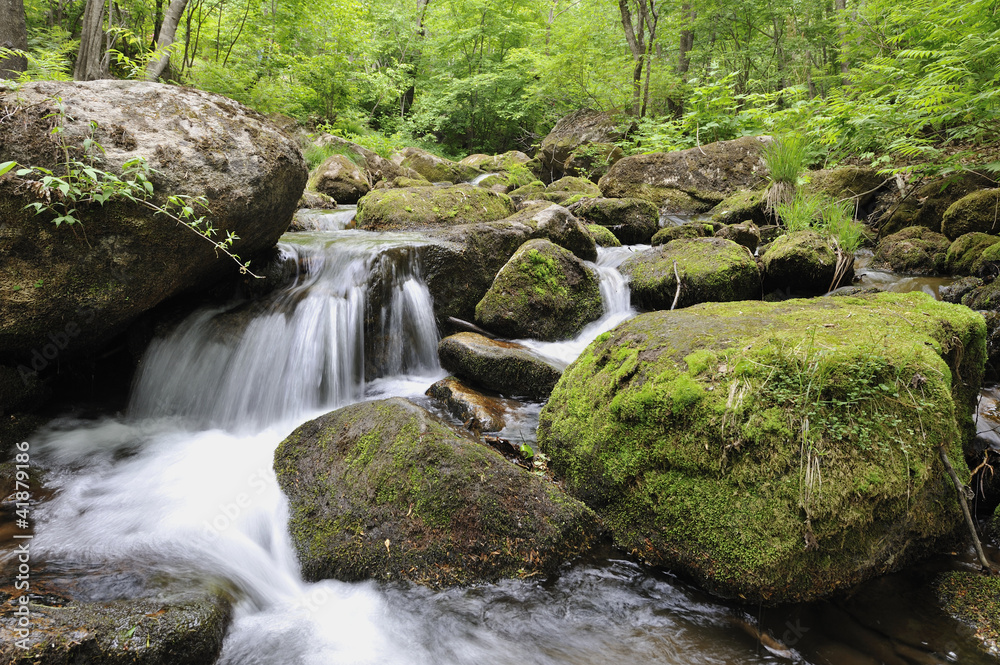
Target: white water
<point x="479" y="178"/>
<point x="327" y="220"/>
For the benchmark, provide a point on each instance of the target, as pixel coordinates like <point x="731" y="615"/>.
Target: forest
<point x="906" y="86"/>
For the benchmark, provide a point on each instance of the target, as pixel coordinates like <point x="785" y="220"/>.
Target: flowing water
<point x="182" y="485"/>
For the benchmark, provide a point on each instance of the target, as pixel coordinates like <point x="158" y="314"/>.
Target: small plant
<point x="801" y="212"/>
<point x="785" y="158"/>
<point x="833" y="219"/>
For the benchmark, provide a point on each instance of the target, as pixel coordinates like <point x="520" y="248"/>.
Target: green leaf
<point x="7" y="166"/>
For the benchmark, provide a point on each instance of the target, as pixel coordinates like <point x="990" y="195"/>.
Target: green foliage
<point x="785" y="158"/>
<point x="833" y="219"/>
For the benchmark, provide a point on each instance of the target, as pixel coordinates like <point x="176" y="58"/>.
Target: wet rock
<point x="341" y="179"/>
<point x="964" y="254"/>
<point x="688" y="181"/>
<point x="913" y="251"/>
<point x="690" y="434"/>
<point x="416" y="207"/>
<point x="603" y="236"/>
<point x="957" y="290"/>
<point x="543" y="292"/>
<point x="711" y="270"/>
<point x="744" y="233"/>
<point x="125" y="260"/>
<point x="434" y="168"/>
<point x="481" y="412"/>
<point x="504" y="367"/>
<point x="570" y="133"/>
<point x="633" y="221"/>
<point x="976" y="212"/>
<point x="683" y="232"/>
<point x="385" y="490"/>
<point x="927" y="204"/>
<point x="802" y="263"/>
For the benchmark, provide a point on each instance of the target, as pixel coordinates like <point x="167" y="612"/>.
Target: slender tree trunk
<point x="89" y="61"/>
<point x="167" y="33"/>
<point x="845" y="66"/>
<point x="13" y="35"/>
<point x="157" y="21"/>
<point x="684" y="46"/>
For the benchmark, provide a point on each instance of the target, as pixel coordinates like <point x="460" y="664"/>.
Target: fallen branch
<point x="960" y="488"/>
<point x="677" y="294"/>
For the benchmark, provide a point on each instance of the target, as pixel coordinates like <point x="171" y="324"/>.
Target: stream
<point x="162" y="487"/>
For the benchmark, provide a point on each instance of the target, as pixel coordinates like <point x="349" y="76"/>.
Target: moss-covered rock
<point x="482" y="412"/>
<point x="543" y="292"/>
<point x="862" y="184"/>
<point x="416" y="207"/>
<point x="339" y="178"/>
<point x="963" y="254"/>
<point x="633" y="221"/>
<point x="170" y="628"/>
<point x="958" y="289"/>
<point x="378" y="170"/>
<point x="577" y="129"/>
<point x="385" y="490"/>
<point x="592" y="160"/>
<point x="743" y="206"/>
<point x="569" y="189"/>
<point x="558" y="224"/>
<point x="802" y="263"/>
<point x="973" y="599"/>
<point x="711" y="270"/>
<point x="603" y="236"/>
<point x="913" y="251"/>
<point x="773" y="452"/>
<point x="683" y="232"/>
<point x="688" y="181"/>
<point x="976" y="212"/>
<point x="744" y="233"/>
<point x="503" y="367"/>
<point x="434" y="168"/>
<point x="983" y="297"/>
<point x="533" y="190"/>
<point x="926" y="205"/>
<point x="510" y="160"/>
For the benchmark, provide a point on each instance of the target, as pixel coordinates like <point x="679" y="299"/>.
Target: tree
<point x="92" y="61"/>
<point x="13" y="35"/>
<point x="168" y="31"/>
<point x="640" y="34"/>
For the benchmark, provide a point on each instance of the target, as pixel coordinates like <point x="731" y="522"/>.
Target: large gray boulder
<point x="75" y="287"/>
<point x="571" y="132"/>
<point x="341" y="179"/>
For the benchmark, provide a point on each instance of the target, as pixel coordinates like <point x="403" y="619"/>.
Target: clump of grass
<point x="833" y="219"/>
<point x="785" y="158"/>
<point x="800" y="212"/>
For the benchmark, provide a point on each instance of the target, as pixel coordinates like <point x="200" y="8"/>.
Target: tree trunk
<point x="168" y="31"/>
<point x="13" y="35"/>
<point x="90" y="64"/>
<point x="845" y="66"/>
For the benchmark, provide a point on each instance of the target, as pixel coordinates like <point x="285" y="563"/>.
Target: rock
<point x="503" y="367"/>
<point x="173" y="627"/>
<point x="984" y="297"/>
<point x="711" y="270"/>
<point x="913" y="251"/>
<point x="603" y="236"/>
<point x="926" y="205"/>
<point x="378" y="169"/>
<point x="861" y="183"/>
<point x="84" y="284"/>
<point x="682" y="232"/>
<point x="957" y="290"/>
<point x="802" y="263"/>
<point x="532" y="190"/>
<point x="568" y="190"/>
<point x="415" y="207"/>
<point x="745" y="233"/>
<point x="770" y="233"/>
<point x="976" y="212"/>
<point x="572" y="131"/>
<point x="314" y="201"/>
<point x="434" y="168"/>
<point x="743" y="206"/>
<point x="505" y="162"/>
<point x="592" y="160"/>
<point x="689" y="432"/>
<point x="556" y="223"/>
<point x="340" y="178"/>
<point x="385" y="490"/>
<point x="965" y="252"/>
<point x="543" y="292"/>
<point x="688" y="181"/>
<point x="633" y="221"/>
<point x="482" y="412"/>
<point x="973" y="599"/>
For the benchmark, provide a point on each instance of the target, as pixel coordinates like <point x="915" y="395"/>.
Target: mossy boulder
<point x="963" y="254"/>
<point x="802" y="263"/>
<point x="509" y="160"/>
<point x="711" y="270"/>
<point x="434" y="168"/>
<point x="507" y="368"/>
<point x="976" y="212"/>
<point x="774" y="452"/>
<point x="558" y="224"/>
<point x="973" y="599"/>
<point x="633" y="221"/>
<point x="744" y="233"/>
<point x="416" y="207"/>
<point x="543" y="292"/>
<point x="530" y="191"/>
<point x="926" y="205"/>
<point x="743" y="206"/>
<point x="958" y="289"/>
<point x="603" y="236"/>
<point x="341" y="179"/>
<point x="481" y="412"/>
<point x="172" y="627"/>
<point x="688" y="181"/>
<point x="577" y="129"/>
<point x="569" y="189"/>
<point x="683" y="232"/>
<point x="378" y="170"/>
<point x="983" y="297"/>
<point x="862" y="184"/>
<point x="592" y="160"/>
<point x="913" y="251"/>
<point x="385" y="490"/>
<point x="90" y="282"/>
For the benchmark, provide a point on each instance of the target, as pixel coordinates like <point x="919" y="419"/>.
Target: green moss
<point x="964" y="253"/>
<point x="414" y="207"/>
<point x="973" y="599"/>
<point x="603" y="236"/>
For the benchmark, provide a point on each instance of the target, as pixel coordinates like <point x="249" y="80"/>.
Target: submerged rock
<point x="482" y="412"/>
<point x="633" y="221"/>
<point x="507" y="368"/>
<point x="913" y="251"/>
<point x="773" y="452"/>
<point x="803" y="263"/>
<point x="710" y="269"/>
<point x="543" y="292"/>
<point x="385" y="490"/>
<point x="417" y="207"/>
